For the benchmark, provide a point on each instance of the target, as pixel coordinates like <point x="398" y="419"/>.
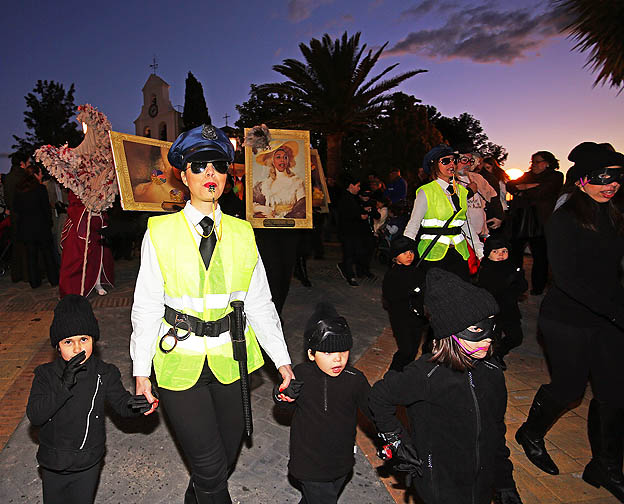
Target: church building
<point x="158" y="118"/>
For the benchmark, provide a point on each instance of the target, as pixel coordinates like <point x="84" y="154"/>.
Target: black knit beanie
<point x="493" y="243"/>
<point x="400" y="245"/>
<point x="454" y="304"/>
<point x="73" y="316"/>
<point x="326" y="331"/>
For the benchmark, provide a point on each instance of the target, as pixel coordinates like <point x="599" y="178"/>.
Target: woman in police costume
<point x="194" y="263"/>
<point x="435" y="203"/>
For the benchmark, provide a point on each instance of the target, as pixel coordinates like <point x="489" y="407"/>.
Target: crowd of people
<point x="455" y="257"/>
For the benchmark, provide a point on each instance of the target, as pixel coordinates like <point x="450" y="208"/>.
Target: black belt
<point x="184" y="322"/>
<point x="441" y="231"/>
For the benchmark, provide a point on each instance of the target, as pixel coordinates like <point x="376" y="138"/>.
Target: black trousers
<point x="353" y="254"/>
<point x="322" y="492"/>
<point x="278" y="249"/>
<point x="208" y="423"/>
<point x="407" y="329"/>
<point x="43" y="248"/>
<point x="71" y="488"/>
<point x="579" y="354"/>
<point x="539" y="272"/>
<point x="453" y="262"/>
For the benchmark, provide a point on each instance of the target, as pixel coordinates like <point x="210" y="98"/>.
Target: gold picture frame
<point x="147" y="182"/>
<point x="274" y="200"/>
<point x="320" y="194"/>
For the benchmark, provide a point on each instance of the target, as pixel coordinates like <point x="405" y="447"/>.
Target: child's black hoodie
<point x="72" y="435"/>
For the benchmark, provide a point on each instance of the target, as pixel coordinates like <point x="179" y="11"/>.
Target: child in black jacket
<point x="325" y="399"/>
<point x="456" y="401"/>
<point x="397" y="289"/>
<point x="67" y="402"/>
<point x="506" y="282"/>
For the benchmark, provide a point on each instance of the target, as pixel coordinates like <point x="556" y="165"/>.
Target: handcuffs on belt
<point x="180" y="320"/>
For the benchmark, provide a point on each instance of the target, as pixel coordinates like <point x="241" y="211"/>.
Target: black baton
<point x="239" y="352"/>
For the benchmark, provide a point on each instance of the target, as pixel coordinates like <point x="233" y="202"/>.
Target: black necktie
<point x="454" y="196"/>
<point x="208" y="241"/>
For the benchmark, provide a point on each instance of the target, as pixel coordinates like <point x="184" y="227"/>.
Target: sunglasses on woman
<point x="448" y="160"/>
<point x="198" y="167"/>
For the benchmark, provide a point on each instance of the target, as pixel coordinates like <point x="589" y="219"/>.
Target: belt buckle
<point x="182" y="320"/>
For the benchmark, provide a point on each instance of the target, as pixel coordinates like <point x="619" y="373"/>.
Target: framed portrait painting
<point x="320" y="194"/>
<point x="147" y="181"/>
<point x="278" y="182"/>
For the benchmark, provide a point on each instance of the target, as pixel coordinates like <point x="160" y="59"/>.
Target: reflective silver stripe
<point x="97" y="387"/>
<point x="440" y="223"/>
<point x="210" y="301"/>
<point x="445" y="239"/>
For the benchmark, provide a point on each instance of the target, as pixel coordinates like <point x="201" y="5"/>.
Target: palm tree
<point x="598" y="28"/>
<point x="329" y="92"/>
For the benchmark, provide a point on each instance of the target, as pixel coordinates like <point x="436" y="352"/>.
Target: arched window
<point x="162" y="131"/>
<point x="147" y="132"/>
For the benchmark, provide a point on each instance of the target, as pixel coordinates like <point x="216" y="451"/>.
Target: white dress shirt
<point x="149" y="307"/>
<point x="420" y="209"/>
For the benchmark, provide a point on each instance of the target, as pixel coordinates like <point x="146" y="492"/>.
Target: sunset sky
<point x="502" y="61"/>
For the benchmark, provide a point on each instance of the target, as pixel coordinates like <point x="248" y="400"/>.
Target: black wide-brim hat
<point x="590" y="157"/>
<point x="204" y="143"/>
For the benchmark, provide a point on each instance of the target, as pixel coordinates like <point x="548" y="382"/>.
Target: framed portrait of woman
<point x="278" y="182"/>
<point x="320" y="194"/>
<point x="147" y="182"/>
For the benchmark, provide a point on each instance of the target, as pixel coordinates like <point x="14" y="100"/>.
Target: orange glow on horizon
<point x="514" y="173"/>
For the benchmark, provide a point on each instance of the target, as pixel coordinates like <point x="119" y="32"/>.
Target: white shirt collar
<point x="194" y="216"/>
<point x="443" y="183"/>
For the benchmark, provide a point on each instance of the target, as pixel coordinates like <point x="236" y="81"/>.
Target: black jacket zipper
<point x="478" y="413"/>
<point x="97" y="387"/>
<point x="325" y="394"/>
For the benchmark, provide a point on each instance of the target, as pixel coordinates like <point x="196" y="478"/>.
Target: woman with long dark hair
<point x="582" y="316"/>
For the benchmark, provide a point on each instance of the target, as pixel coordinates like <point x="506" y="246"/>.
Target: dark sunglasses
<point x="198" y="167"/>
<point x="448" y="160"/>
<point x="466" y="160"/>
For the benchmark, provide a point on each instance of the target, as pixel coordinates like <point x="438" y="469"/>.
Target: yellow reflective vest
<point x="205" y="294"/>
<point x="439" y="210"/>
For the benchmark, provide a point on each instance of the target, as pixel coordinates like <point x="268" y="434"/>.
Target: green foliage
<point x="466" y="130"/>
<point x="49" y="118"/>
<point x="329" y="92"/>
<point x="598" y="29"/>
<point x="399" y="138"/>
<point x="195" y="110"/>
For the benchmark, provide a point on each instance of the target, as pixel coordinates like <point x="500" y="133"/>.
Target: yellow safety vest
<point x="439" y="210"/>
<point x="205" y="294"/>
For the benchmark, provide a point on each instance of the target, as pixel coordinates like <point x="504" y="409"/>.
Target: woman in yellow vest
<point x="194" y="263"/>
<point x="435" y="203"/>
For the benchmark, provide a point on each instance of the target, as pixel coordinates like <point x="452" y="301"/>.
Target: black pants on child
<point x="71" y="488"/>
<point x="208" y="423"/>
<point x="322" y="492"/>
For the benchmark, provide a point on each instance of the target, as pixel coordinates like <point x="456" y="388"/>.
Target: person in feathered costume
<point x="88" y="173"/>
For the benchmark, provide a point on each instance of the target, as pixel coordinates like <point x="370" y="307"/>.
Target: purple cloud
<point x="481" y="33"/>
<point x="298" y="10"/>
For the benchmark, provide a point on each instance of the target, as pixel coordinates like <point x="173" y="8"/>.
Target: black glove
<point x="293" y="390"/>
<point x="72" y="367"/>
<point x="507" y="496"/>
<point x="139" y="404"/>
<point x="404" y="453"/>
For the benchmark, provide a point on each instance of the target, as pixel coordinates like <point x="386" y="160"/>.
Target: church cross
<point x="226" y="118"/>
<point x="154" y="65"/>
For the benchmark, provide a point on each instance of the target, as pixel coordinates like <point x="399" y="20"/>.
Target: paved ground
<point x="143" y="463"/>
